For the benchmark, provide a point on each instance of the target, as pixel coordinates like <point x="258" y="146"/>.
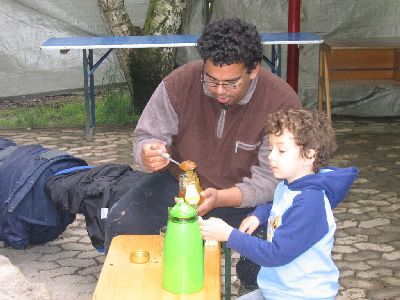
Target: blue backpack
<point x="27" y="215"/>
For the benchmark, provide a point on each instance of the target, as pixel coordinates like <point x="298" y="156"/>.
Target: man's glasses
<point x="228" y="85"/>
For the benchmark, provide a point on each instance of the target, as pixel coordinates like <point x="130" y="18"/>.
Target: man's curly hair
<point x="311" y="130"/>
<point x="230" y="41"/>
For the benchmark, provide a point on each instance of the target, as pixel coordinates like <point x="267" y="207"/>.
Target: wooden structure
<point x="122" y="279"/>
<point x="370" y="60"/>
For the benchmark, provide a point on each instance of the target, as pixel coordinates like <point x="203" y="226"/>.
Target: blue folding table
<point x="87" y="44"/>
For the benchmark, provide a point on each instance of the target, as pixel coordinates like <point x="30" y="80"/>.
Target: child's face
<point x="285" y="159"/>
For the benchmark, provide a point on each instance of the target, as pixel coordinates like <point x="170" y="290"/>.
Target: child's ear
<point x="310" y="157"/>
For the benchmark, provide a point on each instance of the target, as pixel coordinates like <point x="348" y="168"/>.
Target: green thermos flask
<point x="183" y="254"/>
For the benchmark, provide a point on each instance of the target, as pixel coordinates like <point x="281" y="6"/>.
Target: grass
<point x="113" y="107"/>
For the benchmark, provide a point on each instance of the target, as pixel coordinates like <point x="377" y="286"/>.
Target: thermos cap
<point x="182" y="210"/>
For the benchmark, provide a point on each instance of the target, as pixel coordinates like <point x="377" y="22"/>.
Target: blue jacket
<point x="25" y="210"/>
<point x="296" y="258"/>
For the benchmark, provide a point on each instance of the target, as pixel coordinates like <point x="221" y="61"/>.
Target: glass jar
<point x="190" y="188"/>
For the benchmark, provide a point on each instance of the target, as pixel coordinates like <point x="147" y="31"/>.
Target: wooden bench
<point x="357" y="61"/>
<point x="122" y="279"/>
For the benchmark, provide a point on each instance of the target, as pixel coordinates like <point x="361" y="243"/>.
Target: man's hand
<point x="213" y="198"/>
<point x="209" y="201"/>
<point x="249" y="224"/>
<point x="152" y="161"/>
<point x="215" y="229"/>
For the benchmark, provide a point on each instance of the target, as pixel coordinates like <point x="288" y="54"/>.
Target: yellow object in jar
<point x="190" y="188"/>
<point x="192" y="196"/>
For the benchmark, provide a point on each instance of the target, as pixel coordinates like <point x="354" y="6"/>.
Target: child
<point x="295" y="258"/>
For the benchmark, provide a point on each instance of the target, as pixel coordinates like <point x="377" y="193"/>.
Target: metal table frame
<point x="88" y="44"/>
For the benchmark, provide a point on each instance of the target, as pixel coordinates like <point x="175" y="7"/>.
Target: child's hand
<point x="249" y="224"/>
<point x="215" y="229"/>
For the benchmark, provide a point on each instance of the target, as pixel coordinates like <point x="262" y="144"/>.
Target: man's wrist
<point x="230" y="197"/>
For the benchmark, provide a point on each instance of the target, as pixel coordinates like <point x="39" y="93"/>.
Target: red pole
<point x="293" y="50"/>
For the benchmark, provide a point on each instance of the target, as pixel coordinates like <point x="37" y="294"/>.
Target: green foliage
<point x="113" y="107"/>
<point x="58" y="115"/>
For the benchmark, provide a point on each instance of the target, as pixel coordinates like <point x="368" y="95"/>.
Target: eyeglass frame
<point x="227" y="86"/>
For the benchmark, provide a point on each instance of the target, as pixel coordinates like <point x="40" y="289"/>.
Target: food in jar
<point x="187" y="165"/>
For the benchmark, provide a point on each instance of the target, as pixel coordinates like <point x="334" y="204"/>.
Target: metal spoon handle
<point x="166" y="156"/>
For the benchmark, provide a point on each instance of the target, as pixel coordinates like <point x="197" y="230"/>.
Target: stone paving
<point x="367" y="245"/>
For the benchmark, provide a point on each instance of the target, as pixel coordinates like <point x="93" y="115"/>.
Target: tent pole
<point x="293" y="50"/>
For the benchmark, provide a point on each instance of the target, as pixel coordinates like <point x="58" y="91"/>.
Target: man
<point x="211" y="112"/>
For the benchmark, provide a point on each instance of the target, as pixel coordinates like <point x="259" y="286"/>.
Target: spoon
<point x="166" y="156"/>
<point x="184" y="166"/>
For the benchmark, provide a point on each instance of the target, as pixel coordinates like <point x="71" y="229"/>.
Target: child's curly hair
<point x="311" y="130"/>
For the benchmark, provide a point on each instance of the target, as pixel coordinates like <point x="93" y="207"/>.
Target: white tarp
<point x="330" y="19"/>
<point x="26" y="24"/>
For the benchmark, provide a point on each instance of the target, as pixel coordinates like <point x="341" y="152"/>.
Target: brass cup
<point x="140" y="256"/>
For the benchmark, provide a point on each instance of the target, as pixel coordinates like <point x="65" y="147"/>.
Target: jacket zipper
<point x="221" y="123"/>
<point x="244" y="146"/>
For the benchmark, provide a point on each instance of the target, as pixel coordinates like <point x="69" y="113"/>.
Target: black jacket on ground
<point x="90" y="191"/>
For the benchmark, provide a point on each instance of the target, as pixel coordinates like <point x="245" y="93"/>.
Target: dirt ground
<point x="41" y="99"/>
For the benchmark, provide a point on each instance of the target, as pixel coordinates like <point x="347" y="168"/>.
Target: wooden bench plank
<point x="361" y="59"/>
<point x="373" y="60"/>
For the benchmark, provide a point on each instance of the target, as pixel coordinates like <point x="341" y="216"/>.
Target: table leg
<point x="92" y="96"/>
<point x="273" y="59"/>
<point x="86" y="90"/>
<point x="276" y="59"/>
<point x="88" y="84"/>
<point x="228" y="258"/>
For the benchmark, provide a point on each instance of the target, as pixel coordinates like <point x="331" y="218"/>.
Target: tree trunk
<point x="151" y="65"/>
<point x="118" y="23"/>
<point x="144" y="68"/>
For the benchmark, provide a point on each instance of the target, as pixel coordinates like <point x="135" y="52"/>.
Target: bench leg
<point x="320" y="81"/>
<point x="327" y="88"/>
<point x="324" y="85"/>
